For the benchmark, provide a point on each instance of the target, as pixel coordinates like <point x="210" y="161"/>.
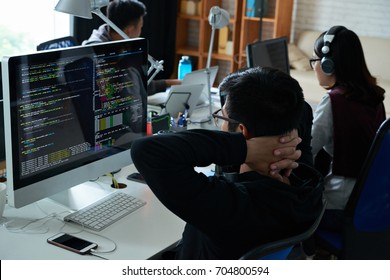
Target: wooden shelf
<point x="256" y="19"/>
<point x="193" y="32"/>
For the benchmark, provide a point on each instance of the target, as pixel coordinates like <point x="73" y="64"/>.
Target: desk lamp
<point x="218" y="18"/>
<point x="85" y="8"/>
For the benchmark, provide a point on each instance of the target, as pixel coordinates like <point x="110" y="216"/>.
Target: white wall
<point x="364" y="17"/>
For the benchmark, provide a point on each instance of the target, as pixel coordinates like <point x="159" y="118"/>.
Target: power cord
<point x="115" y="246"/>
<point x="29" y="227"/>
<point x="97" y="253"/>
<point x="114" y="181"/>
<point x="92" y="253"/>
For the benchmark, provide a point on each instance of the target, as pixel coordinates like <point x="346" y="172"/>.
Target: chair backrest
<point x="280" y="249"/>
<point x="62" y="42"/>
<point x="367" y="233"/>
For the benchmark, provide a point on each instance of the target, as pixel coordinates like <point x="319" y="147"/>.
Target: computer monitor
<point x="64" y="42"/>
<point x="2" y="144"/>
<point x="269" y="53"/>
<point x="71" y="115"/>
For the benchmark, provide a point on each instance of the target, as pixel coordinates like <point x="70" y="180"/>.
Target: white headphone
<point x="327" y="64"/>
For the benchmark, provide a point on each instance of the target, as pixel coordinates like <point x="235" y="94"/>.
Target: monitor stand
<point x="82" y="195"/>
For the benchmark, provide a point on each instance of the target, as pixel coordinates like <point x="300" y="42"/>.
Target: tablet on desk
<point x="177" y="103"/>
<point x="178" y="95"/>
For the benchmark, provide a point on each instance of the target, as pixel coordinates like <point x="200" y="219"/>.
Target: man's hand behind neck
<point x="273" y="156"/>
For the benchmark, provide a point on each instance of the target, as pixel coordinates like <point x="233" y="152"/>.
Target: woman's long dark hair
<point x="351" y="70"/>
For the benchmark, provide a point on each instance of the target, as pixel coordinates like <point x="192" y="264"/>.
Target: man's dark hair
<point x="125" y="12"/>
<point x="267" y="101"/>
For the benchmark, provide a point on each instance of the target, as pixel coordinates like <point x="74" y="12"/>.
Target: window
<point x="24" y="24"/>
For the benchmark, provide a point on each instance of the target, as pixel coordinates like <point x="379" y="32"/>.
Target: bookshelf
<point x="193" y="32"/>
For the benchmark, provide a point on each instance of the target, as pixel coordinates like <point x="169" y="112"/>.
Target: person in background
<point x="347" y="118"/>
<point x="128" y="16"/>
<point x="267" y="201"/>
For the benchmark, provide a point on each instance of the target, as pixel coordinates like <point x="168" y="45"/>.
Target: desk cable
<point x="32" y="226"/>
<point x="29" y="228"/>
<point x="92" y="253"/>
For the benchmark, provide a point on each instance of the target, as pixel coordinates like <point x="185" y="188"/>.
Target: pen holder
<point x="180" y="124"/>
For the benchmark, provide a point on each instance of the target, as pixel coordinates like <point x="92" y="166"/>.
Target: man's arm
<point x="161" y="85"/>
<point x="167" y="163"/>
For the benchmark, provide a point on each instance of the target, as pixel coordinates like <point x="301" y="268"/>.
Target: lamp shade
<point x="218" y="18"/>
<point x="79" y="8"/>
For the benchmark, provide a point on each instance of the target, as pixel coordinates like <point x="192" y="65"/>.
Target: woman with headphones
<point x="347" y="118"/>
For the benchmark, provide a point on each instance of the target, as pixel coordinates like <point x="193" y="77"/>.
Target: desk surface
<point x="139" y="235"/>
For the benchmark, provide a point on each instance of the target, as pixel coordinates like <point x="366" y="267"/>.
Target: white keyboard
<point x="106" y="211"/>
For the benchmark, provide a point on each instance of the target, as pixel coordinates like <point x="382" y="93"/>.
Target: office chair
<point x="366" y="231"/>
<point x="280" y="249"/>
<point x="62" y="42"/>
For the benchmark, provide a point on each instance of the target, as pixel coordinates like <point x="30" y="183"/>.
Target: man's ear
<point x="242" y="128"/>
<point x="130" y="30"/>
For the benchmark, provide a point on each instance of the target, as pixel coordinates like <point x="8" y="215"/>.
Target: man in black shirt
<point x="269" y="199"/>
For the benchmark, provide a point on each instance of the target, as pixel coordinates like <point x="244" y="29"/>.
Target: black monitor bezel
<point x="279" y="40"/>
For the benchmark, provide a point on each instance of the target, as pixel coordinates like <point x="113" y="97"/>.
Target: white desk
<point x="139" y="235"/>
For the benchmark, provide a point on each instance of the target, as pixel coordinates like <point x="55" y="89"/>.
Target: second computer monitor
<point x="269" y="53"/>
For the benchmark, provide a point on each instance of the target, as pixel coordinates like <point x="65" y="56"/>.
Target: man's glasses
<point x="217" y="115"/>
<point x="313" y="61"/>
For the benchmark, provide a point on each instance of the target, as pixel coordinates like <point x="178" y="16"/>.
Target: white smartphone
<point x="72" y="243"/>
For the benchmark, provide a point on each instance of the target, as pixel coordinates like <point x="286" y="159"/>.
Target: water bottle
<point x="185" y="66"/>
